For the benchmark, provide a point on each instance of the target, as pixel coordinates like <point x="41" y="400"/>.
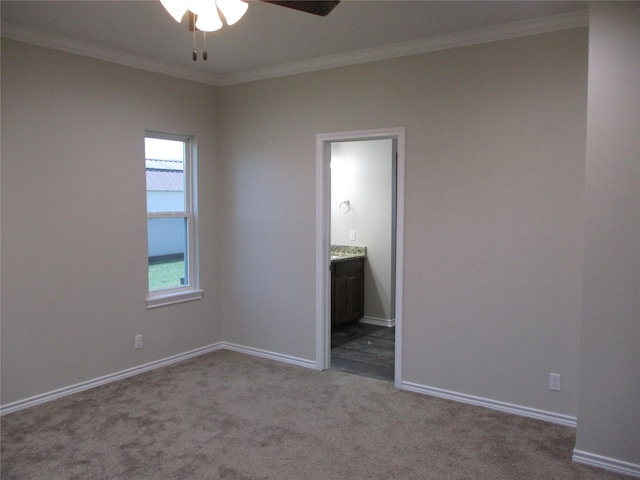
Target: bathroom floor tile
<point x="363" y="349"/>
<point x="373" y="345"/>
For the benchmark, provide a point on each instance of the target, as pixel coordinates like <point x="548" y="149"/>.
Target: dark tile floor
<point x="363" y="349"/>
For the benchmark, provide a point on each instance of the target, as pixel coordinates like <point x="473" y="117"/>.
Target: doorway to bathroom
<point x="360" y="193"/>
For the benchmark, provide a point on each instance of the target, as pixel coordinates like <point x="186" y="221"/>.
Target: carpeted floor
<point x="227" y="415"/>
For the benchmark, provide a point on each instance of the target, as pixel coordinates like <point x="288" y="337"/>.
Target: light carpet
<point x="226" y="415"/>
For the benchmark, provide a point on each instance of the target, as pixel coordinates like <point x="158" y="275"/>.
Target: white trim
<point x="130" y="372"/>
<point x="64" y="44"/>
<point x="611" y="464"/>
<point x="425" y="45"/>
<point x="161" y="300"/>
<point x="442" y="42"/>
<point x="113" y="377"/>
<point x="257" y="352"/>
<point x="551" y="417"/>
<point x="399" y="304"/>
<point x="381" y="322"/>
<point x="323" y="239"/>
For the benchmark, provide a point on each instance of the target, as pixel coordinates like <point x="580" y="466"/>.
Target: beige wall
<point x="74" y="274"/>
<point x="609" y="405"/>
<point x="493" y="240"/>
<point x="495" y="152"/>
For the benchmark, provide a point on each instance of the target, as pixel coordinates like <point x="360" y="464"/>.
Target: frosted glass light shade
<point x="209" y="20"/>
<point x="233" y="10"/>
<point x="176" y="8"/>
<point x="200" y="7"/>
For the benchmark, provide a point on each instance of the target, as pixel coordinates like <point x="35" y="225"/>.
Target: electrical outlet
<point x="554" y="382"/>
<point x="352" y="235"/>
<point x="138" y="342"/>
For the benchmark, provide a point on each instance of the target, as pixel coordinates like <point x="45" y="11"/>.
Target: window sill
<point x="162" y="300"/>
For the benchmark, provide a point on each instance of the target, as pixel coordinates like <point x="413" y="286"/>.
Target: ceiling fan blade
<point x="321" y="7"/>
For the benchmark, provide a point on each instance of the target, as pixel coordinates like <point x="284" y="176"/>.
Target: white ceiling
<point x="271" y="40"/>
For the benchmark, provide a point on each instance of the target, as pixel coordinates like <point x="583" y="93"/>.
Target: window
<point x="171" y="219"/>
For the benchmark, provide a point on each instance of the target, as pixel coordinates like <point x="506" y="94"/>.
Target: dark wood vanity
<point x="347" y="289"/>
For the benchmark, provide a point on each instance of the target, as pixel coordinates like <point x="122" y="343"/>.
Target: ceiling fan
<point x="322" y="7"/>
<point x="204" y="15"/>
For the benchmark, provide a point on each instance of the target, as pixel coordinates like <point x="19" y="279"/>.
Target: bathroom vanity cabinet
<point x="347" y="290"/>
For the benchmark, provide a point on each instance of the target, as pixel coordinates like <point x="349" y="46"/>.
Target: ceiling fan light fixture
<point x="233" y="10"/>
<point x="176" y="8"/>
<point x="208" y="20"/>
<point x="199" y="7"/>
<point x="204" y="15"/>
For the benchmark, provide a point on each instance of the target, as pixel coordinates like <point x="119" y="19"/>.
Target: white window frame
<point x="191" y="291"/>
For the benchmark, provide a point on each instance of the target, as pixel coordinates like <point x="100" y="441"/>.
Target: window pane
<point x="168" y="258"/>
<point x="164" y="162"/>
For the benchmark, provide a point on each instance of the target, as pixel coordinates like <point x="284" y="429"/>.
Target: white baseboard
<point x="256" y="352"/>
<point x="611" y="464"/>
<point x="130" y="372"/>
<point x="552" y="417"/>
<point x="381" y="322"/>
<point x="113" y="377"/>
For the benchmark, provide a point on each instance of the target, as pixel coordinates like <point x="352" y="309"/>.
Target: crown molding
<point x="442" y="42"/>
<point x="64" y="44"/>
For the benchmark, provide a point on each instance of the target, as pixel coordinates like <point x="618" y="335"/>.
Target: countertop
<point x="341" y="253"/>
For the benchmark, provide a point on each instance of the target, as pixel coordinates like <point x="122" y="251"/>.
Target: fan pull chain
<point x="194" y="55"/>
<point x="192" y="28"/>
<point x="205" y="55"/>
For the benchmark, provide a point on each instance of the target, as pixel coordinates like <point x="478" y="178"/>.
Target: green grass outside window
<point x="166" y="274"/>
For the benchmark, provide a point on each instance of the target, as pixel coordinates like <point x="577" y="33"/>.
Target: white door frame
<point x="323" y="239"/>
